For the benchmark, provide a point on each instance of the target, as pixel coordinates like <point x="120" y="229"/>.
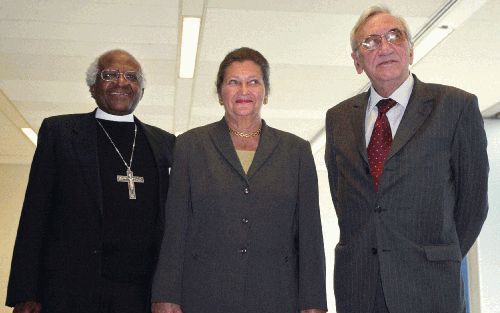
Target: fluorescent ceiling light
<point x="189" y="46"/>
<point x="30" y="134"/>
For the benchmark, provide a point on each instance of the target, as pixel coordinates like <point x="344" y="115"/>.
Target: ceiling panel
<point x="46" y="47"/>
<point x="109" y="14"/>
<point x="405" y="8"/>
<point x="468" y="58"/>
<point x="87" y="33"/>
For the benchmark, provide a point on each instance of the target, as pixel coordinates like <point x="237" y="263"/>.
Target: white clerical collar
<point x="110" y="117"/>
<point x="400" y="95"/>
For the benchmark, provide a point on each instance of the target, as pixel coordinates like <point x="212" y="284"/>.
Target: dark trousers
<point x="117" y="297"/>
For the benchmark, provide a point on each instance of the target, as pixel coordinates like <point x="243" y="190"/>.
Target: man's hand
<point x="27" y="307"/>
<point x="165" y="307"/>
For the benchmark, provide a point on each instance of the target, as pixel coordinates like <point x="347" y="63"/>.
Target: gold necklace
<point x="245" y="135"/>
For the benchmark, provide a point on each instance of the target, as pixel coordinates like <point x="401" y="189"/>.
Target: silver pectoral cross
<point x="131" y="180"/>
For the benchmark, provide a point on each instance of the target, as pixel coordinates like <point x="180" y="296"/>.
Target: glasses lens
<point x="131" y="76"/>
<point x="109" y="75"/>
<point x="394" y="36"/>
<point x="371" y="42"/>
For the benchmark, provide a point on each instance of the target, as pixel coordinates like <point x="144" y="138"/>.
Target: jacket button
<point x="246" y="191"/>
<point x="374" y="251"/>
<point x="244" y="220"/>
<point x="378" y="209"/>
<point x="243" y="250"/>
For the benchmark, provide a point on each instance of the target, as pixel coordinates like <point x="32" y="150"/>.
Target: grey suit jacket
<point x="237" y="242"/>
<point x="429" y="210"/>
<point x="57" y="255"/>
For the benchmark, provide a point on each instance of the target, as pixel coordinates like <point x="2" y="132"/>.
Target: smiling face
<point x="388" y="65"/>
<point x="119" y="97"/>
<point x="242" y="90"/>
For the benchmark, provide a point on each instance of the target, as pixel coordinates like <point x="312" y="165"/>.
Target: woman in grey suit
<point x="243" y="228"/>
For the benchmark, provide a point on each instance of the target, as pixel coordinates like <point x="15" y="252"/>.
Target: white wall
<point x="330" y="232"/>
<point x="13" y="180"/>
<point x="489" y="239"/>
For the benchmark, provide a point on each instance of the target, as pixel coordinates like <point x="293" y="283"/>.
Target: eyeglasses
<point x="372" y="42"/>
<point x="113" y="75"/>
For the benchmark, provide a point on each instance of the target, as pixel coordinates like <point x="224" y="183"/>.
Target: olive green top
<point x="246" y="158"/>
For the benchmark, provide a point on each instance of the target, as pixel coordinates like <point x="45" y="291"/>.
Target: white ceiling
<point x="46" y="46"/>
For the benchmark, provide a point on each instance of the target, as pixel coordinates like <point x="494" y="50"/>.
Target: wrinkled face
<point x="243" y="90"/>
<point x="121" y="96"/>
<point x="389" y="63"/>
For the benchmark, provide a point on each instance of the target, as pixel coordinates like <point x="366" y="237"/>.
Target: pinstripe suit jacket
<point x="429" y="210"/>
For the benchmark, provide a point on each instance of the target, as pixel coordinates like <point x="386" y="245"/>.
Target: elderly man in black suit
<point x="91" y="222"/>
<point x="408" y="173"/>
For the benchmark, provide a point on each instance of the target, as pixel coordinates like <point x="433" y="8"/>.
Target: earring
<point x="221" y="102"/>
<point x="265" y="100"/>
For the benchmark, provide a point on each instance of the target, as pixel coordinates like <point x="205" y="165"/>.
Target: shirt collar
<point x="110" y="117"/>
<point x="400" y="95"/>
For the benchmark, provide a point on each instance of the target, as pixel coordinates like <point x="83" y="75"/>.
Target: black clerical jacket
<point x="57" y="255"/>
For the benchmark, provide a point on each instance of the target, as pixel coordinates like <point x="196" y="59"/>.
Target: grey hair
<point x="93" y="69"/>
<point x="374" y="10"/>
<point x="92" y="72"/>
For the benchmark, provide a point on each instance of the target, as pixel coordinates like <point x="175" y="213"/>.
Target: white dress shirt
<point x="394" y="115"/>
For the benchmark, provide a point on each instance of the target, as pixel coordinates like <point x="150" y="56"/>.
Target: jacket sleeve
<point x="470" y="169"/>
<point x="26" y="268"/>
<point x="167" y="281"/>
<point x="312" y="290"/>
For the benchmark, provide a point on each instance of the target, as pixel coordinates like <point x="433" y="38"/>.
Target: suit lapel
<point x="219" y="135"/>
<point x="85" y="146"/>
<point x="156" y="144"/>
<point x="222" y="141"/>
<point x="418" y="109"/>
<point x="358" y="123"/>
<point x="268" y="142"/>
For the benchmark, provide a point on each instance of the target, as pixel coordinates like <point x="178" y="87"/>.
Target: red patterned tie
<point x="380" y="141"/>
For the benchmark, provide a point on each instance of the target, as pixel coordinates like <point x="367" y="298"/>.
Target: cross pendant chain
<point x="131" y="180"/>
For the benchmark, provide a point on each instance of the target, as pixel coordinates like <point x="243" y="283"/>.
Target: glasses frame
<point x="138" y="74"/>
<point x="380" y="38"/>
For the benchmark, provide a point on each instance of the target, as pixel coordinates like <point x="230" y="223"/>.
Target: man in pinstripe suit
<point x="406" y="225"/>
